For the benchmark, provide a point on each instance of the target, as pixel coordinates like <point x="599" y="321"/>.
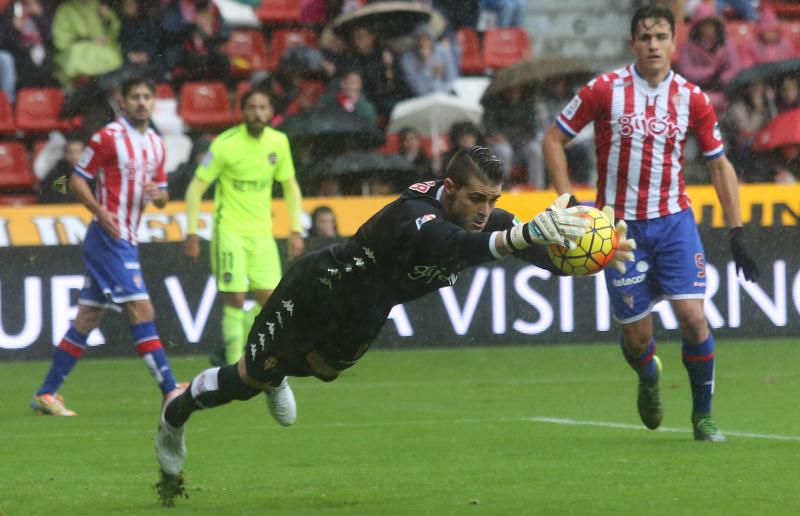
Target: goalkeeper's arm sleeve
<point x="294" y="199"/>
<point x="194" y="194"/>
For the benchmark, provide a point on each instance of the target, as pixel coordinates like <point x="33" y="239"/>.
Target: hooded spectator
<point x="428" y="67"/>
<point x="771" y="44"/>
<point x="707" y="59"/>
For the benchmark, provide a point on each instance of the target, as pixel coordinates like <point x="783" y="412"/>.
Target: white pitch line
<point x="627" y="426"/>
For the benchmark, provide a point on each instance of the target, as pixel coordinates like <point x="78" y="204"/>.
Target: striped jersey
<point x="640" y="134"/>
<point x="121" y="160"/>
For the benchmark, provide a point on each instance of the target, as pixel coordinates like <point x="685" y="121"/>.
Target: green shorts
<point x="244" y="264"/>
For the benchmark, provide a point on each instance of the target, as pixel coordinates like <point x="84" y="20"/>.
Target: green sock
<point x="232" y="333"/>
<point x="249" y="318"/>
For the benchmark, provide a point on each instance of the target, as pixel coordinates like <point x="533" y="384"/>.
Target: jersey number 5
<point x="422" y="187"/>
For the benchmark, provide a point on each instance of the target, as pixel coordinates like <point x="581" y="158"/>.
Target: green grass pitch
<point x="520" y="430"/>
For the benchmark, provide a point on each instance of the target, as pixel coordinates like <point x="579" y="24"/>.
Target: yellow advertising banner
<point x="764" y="205"/>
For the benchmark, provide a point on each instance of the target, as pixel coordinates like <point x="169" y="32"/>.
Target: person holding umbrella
<point x="428" y="67"/>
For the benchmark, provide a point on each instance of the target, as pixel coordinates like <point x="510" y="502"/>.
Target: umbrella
<point x="332" y="126"/>
<point x="769" y="72"/>
<point x="533" y="71"/>
<point x="433" y="114"/>
<point x="783" y="130"/>
<point x="302" y="60"/>
<point x="387" y="20"/>
<point x="367" y="163"/>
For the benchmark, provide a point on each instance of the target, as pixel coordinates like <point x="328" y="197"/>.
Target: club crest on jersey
<point x="272" y="158"/>
<point x="425" y="218"/>
<point x="638" y="123"/>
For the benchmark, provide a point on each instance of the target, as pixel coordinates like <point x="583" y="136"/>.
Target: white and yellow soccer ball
<point x="593" y="251"/>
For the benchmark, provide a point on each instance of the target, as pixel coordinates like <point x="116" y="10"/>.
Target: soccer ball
<point x="594" y="251"/>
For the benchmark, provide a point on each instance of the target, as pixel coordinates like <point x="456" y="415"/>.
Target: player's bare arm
<point x="155" y="194"/>
<point x="83" y="192"/>
<point x="556" y="158"/>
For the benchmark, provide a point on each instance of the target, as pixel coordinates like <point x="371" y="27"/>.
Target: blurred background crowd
<point x="376" y="95"/>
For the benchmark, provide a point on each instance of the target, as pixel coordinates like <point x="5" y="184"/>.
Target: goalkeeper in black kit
<point x="331" y="304"/>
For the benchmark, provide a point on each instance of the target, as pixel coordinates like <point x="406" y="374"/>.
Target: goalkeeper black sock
<point x="211" y="388"/>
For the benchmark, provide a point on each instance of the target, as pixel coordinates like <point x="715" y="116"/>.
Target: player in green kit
<point x="245" y="161"/>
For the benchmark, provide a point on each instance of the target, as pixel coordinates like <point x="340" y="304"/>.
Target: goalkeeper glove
<point x="558" y="224"/>
<point x="625" y="246"/>
<point x="744" y="263"/>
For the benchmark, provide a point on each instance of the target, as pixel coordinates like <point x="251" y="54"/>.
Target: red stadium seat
<point x="6" y="115"/>
<point x="284" y="39"/>
<point x="18" y="199"/>
<point x="784" y="9"/>
<point x="471" y="56"/>
<point x="205" y="105"/>
<point x="15" y="170"/>
<point x="504" y="47"/>
<point x="309" y="94"/>
<point x="740" y="32"/>
<point x="164" y="91"/>
<point x="37" y="110"/>
<point x="392" y="144"/>
<point x="247" y="52"/>
<point x="279" y="11"/>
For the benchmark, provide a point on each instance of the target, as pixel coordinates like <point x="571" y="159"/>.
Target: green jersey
<point x="245" y="169"/>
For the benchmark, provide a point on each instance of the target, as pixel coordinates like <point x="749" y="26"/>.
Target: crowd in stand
<point x="85" y="47"/>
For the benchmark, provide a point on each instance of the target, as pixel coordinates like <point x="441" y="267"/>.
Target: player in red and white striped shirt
<point x="642" y="115"/>
<point x="126" y="161"/>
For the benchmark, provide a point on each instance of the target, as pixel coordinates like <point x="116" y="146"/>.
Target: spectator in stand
<point x="346" y="95"/>
<point x="383" y="82"/>
<point x="140" y="38"/>
<point x="463" y="135"/>
<point x="323" y="223"/>
<point x="743" y="8"/>
<point x="770" y="43"/>
<point x="784" y="165"/>
<point x="25" y="38"/>
<point x="707" y="59"/>
<point x="8" y="75"/>
<point x="429" y="66"/>
<point x="411" y="151"/>
<point x="459" y="13"/>
<point x="86" y="38"/>
<point x="178" y="181"/>
<point x="502" y="13"/>
<point x="194" y="31"/>
<point x="511" y="130"/>
<point x="788" y="94"/>
<point x="53" y="188"/>
<point x="742" y="122"/>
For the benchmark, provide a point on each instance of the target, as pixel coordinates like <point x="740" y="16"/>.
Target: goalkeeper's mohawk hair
<point x="475" y="161"/>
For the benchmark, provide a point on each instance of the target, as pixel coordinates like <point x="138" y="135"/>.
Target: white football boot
<point x="281" y="404"/>
<point x="170" y="445"/>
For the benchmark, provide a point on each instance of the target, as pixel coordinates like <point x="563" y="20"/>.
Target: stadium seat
<point x="392" y="144"/>
<point x="279" y="11"/>
<point x="740" y="32"/>
<point x="784" y="9"/>
<point x="205" y="105"/>
<point x="18" y="199"/>
<point x="247" y="52"/>
<point x="286" y="38"/>
<point x="309" y="94"/>
<point x="471" y="57"/>
<point x="504" y="47"/>
<point x="37" y="110"/>
<point x="164" y="91"/>
<point x="15" y="170"/>
<point x="6" y="115"/>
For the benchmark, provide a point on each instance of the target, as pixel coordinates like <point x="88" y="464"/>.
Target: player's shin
<point x="148" y="346"/>
<point x="644" y="362"/>
<point x="65" y="358"/>
<point x="699" y="362"/>
<point x="211" y="388"/>
<point x="232" y="333"/>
